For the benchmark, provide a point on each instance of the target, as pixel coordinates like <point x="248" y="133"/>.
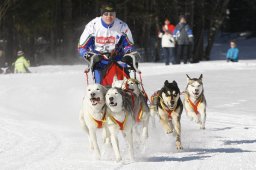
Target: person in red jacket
<point x="168" y="26"/>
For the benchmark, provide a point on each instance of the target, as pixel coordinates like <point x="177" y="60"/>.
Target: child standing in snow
<point x="232" y="54"/>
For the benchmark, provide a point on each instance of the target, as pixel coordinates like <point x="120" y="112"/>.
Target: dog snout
<point x="172" y="102"/>
<point x="111" y="99"/>
<point x="93" y="94"/>
<point x="196" y="90"/>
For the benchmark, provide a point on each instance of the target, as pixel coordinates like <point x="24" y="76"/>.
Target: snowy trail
<point x="39" y="127"/>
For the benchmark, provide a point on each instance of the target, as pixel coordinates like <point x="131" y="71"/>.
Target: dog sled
<point x="121" y="69"/>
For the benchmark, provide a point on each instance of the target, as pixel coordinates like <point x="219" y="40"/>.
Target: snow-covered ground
<point x="39" y="127"/>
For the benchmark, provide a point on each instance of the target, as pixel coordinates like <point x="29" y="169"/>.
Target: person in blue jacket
<point x="232" y="54"/>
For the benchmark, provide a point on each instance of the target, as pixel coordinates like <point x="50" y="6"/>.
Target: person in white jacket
<point x="168" y="44"/>
<point x="105" y="35"/>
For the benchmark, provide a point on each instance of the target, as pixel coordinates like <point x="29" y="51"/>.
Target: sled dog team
<point x="123" y="108"/>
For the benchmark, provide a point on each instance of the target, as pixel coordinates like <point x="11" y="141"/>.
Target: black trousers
<point x="182" y="53"/>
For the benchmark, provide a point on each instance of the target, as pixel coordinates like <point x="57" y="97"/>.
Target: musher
<point x="106" y="36"/>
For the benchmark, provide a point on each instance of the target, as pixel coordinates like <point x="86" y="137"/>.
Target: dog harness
<point x="99" y="123"/>
<point x="139" y="115"/>
<point x="166" y="109"/>
<point x="193" y="105"/>
<point x="120" y="124"/>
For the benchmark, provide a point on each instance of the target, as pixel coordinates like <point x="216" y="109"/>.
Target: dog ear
<point x="201" y="76"/>
<point x="188" y="78"/>
<point x="175" y="83"/>
<point x="166" y="82"/>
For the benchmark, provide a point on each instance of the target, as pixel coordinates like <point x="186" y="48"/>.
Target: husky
<point x="119" y="119"/>
<point x="166" y="103"/>
<point x="93" y="115"/>
<point x="194" y="100"/>
<point x="139" y="102"/>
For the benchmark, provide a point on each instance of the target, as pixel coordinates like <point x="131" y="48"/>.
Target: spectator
<point x="184" y="38"/>
<point x="232" y="54"/>
<point x="167" y="41"/>
<point x="21" y="64"/>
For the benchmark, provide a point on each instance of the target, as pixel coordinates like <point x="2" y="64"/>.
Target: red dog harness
<point x="193" y="105"/>
<point x="99" y="123"/>
<point x="167" y="110"/>
<point x="120" y="124"/>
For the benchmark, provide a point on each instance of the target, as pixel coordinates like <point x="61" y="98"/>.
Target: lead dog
<point x="167" y="104"/>
<point x="139" y="102"/>
<point x="119" y="119"/>
<point x="194" y="101"/>
<point x="93" y="114"/>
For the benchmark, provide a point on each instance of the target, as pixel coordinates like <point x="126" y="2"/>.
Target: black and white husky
<point x="167" y="104"/>
<point x="93" y="114"/>
<point x="120" y="119"/>
<point x="194" y="100"/>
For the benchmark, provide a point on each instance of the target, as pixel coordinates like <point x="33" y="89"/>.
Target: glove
<point x="88" y="55"/>
<point x="127" y="59"/>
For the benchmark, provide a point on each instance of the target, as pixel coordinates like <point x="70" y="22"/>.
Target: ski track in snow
<point x="39" y="127"/>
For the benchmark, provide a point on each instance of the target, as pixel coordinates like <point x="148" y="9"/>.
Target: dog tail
<point x="82" y="122"/>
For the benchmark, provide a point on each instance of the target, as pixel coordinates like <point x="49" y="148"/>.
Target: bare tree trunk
<point x="217" y="19"/>
<point x="67" y="28"/>
<point x="10" y="39"/>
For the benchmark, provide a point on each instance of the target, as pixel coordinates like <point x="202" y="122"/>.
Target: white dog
<point x="194" y="101"/>
<point x="93" y="115"/>
<point x="119" y="119"/>
<point x="139" y="102"/>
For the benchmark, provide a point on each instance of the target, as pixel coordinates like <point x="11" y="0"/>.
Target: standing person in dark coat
<point x="184" y="38"/>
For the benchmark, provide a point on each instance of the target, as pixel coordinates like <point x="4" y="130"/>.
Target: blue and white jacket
<point x="102" y="38"/>
<point x="183" y="34"/>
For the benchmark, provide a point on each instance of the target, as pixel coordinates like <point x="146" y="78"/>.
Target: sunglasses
<point x="109" y="14"/>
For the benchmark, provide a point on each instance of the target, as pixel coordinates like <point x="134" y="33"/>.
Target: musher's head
<point x="108" y="12"/>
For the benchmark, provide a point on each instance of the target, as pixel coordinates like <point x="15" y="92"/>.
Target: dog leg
<point x="129" y="139"/>
<point x="203" y="118"/>
<point x="145" y="122"/>
<point x="85" y="128"/>
<point x="177" y="127"/>
<point x="82" y="122"/>
<point x="166" y="125"/>
<point x="94" y="142"/>
<point x="106" y="136"/>
<point x="115" y="144"/>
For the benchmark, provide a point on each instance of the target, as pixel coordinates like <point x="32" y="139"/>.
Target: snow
<point x="39" y="127"/>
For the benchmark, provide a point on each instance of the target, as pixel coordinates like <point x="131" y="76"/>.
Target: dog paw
<point x="118" y="159"/>
<point x="169" y="131"/>
<point x="198" y="121"/>
<point x="202" y="127"/>
<point x="178" y="146"/>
